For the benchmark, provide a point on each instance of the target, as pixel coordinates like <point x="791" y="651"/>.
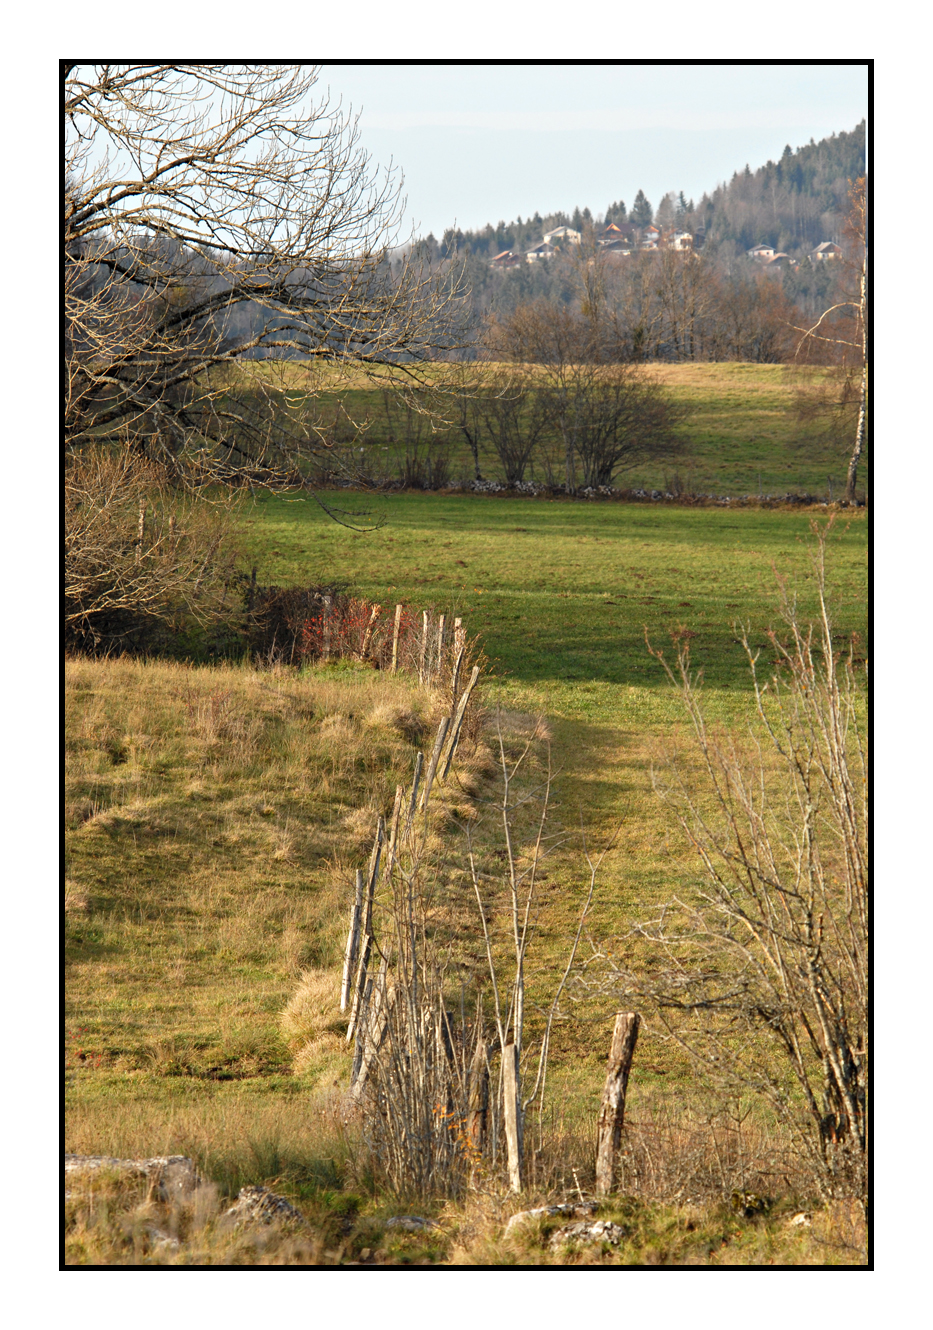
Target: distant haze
<point x="483" y="143"/>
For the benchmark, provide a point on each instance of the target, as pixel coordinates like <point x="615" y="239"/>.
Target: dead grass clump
<point x="325" y="1059"/>
<point x="403" y="720"/>
<point x="314" y="1010"/>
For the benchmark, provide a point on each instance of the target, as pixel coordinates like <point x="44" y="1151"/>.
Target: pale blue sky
<point x="481" y="142"/>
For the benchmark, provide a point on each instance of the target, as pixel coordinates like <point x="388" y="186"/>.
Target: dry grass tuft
<point x="324" y="1058"/>
<point x="314" y="1010"/>
<point x="403" y="720"/>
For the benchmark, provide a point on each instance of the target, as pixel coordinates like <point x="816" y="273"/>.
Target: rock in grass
<point x="173" y="1176"/>
<point x="599" y="1230"/>
<point x="576" y="1210"/>
<point x="410" y="1223"/>
<point x="261" y="1206"/>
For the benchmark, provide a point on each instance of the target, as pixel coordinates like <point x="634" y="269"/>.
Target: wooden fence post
<point x="395" y="633"/>
<point x="359" y="986"/>
<point x="612" y="1112"/>
<point x="353" y="942"/>
<point x="326" y="628"/>
<point x="425" y="621"/>
<point x="441" y="624"/>
<point x="458" y="720"/>
<point x="373" y="874"/>
<point x="435" y="758"/>
<point x="479" y="1098"/>
<point x="513" y="1115"/>
<point x="367" y="635"/>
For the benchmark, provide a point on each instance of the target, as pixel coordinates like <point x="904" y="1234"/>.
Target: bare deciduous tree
<point x="225" y="234"/>
<point x="606" y="416"/>
<point x="841" y="330"/>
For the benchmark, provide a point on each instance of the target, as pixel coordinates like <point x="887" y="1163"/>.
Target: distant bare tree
<point x="607" y="416"/>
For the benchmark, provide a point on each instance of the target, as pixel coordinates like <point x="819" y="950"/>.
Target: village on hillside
<point x="621" y="241"/>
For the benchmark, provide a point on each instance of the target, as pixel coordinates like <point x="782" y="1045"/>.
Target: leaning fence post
<point x="513" y="1115"/>
<point x="373" y="874"/>
<point x="612" y="1112"/>
<point x="395" y="632"/>
<point x="360" y="985"/>
<point x="458" y="720"/>
<point x="367" y="635"/>
<point x="353" y="941"/>
<point x="435" y="757"/>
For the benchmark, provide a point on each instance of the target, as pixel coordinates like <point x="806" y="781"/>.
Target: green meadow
<point x="216" y="816"/>
<point x="741" y="431"/>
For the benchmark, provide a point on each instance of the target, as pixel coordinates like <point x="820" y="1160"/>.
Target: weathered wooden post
<point x="458" y="721"/>
<point x="373" y="874"/>
<point x="367" y="635"/>
<point x="612" y="1112"/>
<point x="395" y="632"/>
<point x="513" y="1115"/>
<point x="439" y="661"/>
<point x="425" y="623"/>
<point x="359" y="986"/>
<point x="435" y="758"/>
<point x="326" y="628"/>
<point x="479" y="1098"/>
<point x="353" y="942"/>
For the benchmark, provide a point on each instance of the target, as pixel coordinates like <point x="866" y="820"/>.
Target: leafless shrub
<point x="137" y="549"/>
<point x="762" y="973"/>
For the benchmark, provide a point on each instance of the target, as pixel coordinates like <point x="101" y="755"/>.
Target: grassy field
<point x="741" y="429"/>
<point x="216" y="816"/>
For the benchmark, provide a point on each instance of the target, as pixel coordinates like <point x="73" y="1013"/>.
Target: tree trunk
<point x="612" y="1112"/>
<point x="859" y="439"/>
<point x="513" y="1115"/>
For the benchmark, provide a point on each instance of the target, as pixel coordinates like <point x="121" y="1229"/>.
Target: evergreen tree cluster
<point x="792" y="204"/>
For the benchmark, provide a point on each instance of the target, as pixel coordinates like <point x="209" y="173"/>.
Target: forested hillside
<point x="792" y="205"/>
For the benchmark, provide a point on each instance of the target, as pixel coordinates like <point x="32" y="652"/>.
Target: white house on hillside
<point x="560" y="233"/>
<point x="828" y="250"/>
<point x="761" y="252"/>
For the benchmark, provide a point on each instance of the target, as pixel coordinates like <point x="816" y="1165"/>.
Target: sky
<point x="481" y="143"/>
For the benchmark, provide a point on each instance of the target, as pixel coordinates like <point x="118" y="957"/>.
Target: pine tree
<point x="642" y="213"/>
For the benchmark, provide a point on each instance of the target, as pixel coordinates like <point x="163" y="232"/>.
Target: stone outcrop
<point x="600" y="1230"/>
<point x="172" y="1177"/>
<point x="571" y="1210"/>
<point x="258" y="1205"/>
